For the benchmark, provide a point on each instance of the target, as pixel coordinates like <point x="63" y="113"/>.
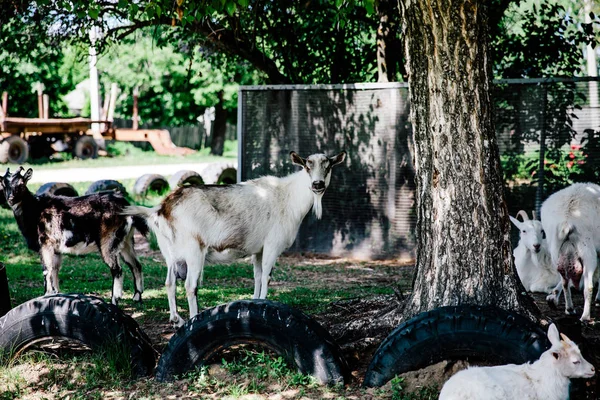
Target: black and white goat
<point x="260" y="217"/>
<point x="56" y="225"/>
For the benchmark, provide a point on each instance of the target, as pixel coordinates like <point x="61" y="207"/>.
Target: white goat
<point x="532" y="257"/>
<point x="260" y="217"/>
<point x="571" y="219"/>
<point x="546" y="379"/>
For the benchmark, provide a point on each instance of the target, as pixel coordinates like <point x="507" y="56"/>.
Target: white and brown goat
<point x="56" y="225"/>
<point x="260" y="217"/>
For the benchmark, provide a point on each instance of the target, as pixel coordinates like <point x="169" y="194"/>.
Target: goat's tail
<point x="138" y="211"/>
<point x="139" y="216"/>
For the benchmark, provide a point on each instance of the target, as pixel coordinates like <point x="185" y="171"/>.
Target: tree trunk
<point x="219" y="128"/>
<point x="463" y="247"/>
<point x="388" y="49"/>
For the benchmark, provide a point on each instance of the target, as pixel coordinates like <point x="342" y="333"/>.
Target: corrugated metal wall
<point x="368" y="208"/>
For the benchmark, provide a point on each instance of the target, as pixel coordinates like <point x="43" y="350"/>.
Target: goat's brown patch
<point x="169" y="203"/>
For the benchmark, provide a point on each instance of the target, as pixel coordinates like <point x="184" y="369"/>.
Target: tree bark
<point x="219" y="128"/>
<point x="463" y="247"/>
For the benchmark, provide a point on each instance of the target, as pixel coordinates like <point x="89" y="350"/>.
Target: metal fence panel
<point x="547" y="129"/>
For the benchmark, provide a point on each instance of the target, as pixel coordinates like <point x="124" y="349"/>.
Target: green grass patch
<point x="124" y="154"/>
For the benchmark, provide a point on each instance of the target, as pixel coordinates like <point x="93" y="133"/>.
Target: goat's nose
<point x="318" y="185"/>
<point x="537" y="247"/>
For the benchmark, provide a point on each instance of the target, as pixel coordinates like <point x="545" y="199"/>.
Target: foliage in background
<point x="176" y="83"/>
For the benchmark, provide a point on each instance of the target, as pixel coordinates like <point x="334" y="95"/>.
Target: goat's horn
<point x="7" y="172"/>
<point x="534" y="214"/>
<point x="565" y="339"/>
<point x="19" y="170"/>
<point x="523" y="215"/>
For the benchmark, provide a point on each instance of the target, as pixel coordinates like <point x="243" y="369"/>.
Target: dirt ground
<point x="359" y="347"/>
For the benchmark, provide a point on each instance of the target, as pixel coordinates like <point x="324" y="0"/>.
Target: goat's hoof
<point x="137" y="297"/>
<point x="597" y="303"/>
<point x="177" y="321"/>
<point x="570" y="311"/>
<point x="551" y="300"/>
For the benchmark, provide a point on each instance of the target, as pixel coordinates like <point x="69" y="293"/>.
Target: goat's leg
<point x="195" y="263"/>
<point x="257" y="261"/>
<point x="589" y="267"/>
<point x="554" y="297"/>
<point x="268" y="261"/>
<point x="51" y="265"/>
<point x="171" y="286"/>
<point x="117" y="274"/>
<point x="134" y="265"/>
<point x="569" y="309"/>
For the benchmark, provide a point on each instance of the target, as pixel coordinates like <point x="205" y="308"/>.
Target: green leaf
<point x="93" y="13"/>
<point x="369" y="6"/>
<point x="122" y="4"/>
<point x="338" y="3"/>
<point x="158" y="11"/>
<point x="244" y="3"/>
<point x="231" y="7"/>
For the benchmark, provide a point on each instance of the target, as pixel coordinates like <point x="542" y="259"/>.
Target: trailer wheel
<point x="185" y="177"/>
<point x="107" y="185"/>
<point x="14" y="150"/>
<point x="456" y="333"/>
<point x="150" y="183"/>
<point x="84" y="319"/>
<point x="288" y="332"/>
<point x="57" y="189"/>
<point x="85" y="147"/>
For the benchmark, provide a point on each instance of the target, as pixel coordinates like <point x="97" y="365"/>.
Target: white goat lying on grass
<point x="260" y="217"/>
<point x="532" y="257"/>
<point x="546" y="379"/>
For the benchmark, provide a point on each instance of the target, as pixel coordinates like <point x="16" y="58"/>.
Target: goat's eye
<point x="524" y="231"/>
<point x="543" y="235"/>
<point x="576" y="362"/>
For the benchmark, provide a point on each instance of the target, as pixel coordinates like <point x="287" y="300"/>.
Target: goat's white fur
<point x="571" y="219"/>
<point x="546" y="379"/>
<point x="532" y="257"/>
<point x="260" y="217"/>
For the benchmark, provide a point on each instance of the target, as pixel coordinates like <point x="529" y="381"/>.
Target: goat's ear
<point x="553" y="335"/>
<point x="338" y="159"/>
<point x="515" y="222"/>
<point x="296" y="159"/>
<point x="27" y="175"/>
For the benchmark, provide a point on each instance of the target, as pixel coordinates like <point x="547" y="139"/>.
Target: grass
<point x="311" y="288"/>
<point x="125" y="154"/>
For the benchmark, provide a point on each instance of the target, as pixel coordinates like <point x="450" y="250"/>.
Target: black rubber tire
<point x="185" y="177"/>
<point x="150" y="182"/>
<point x="227" y="177"/>
<point x="14" y="150"/>
<point x="465" y="332"/>
<point x="299" y="339"/>
<point x="85" y="147"/>
<point x="57" y="189"/>
<point x="107" y="185"/>
<point x="86" y="319"/>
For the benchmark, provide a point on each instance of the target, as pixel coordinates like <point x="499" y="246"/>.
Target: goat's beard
<point x="317" y="207"/>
